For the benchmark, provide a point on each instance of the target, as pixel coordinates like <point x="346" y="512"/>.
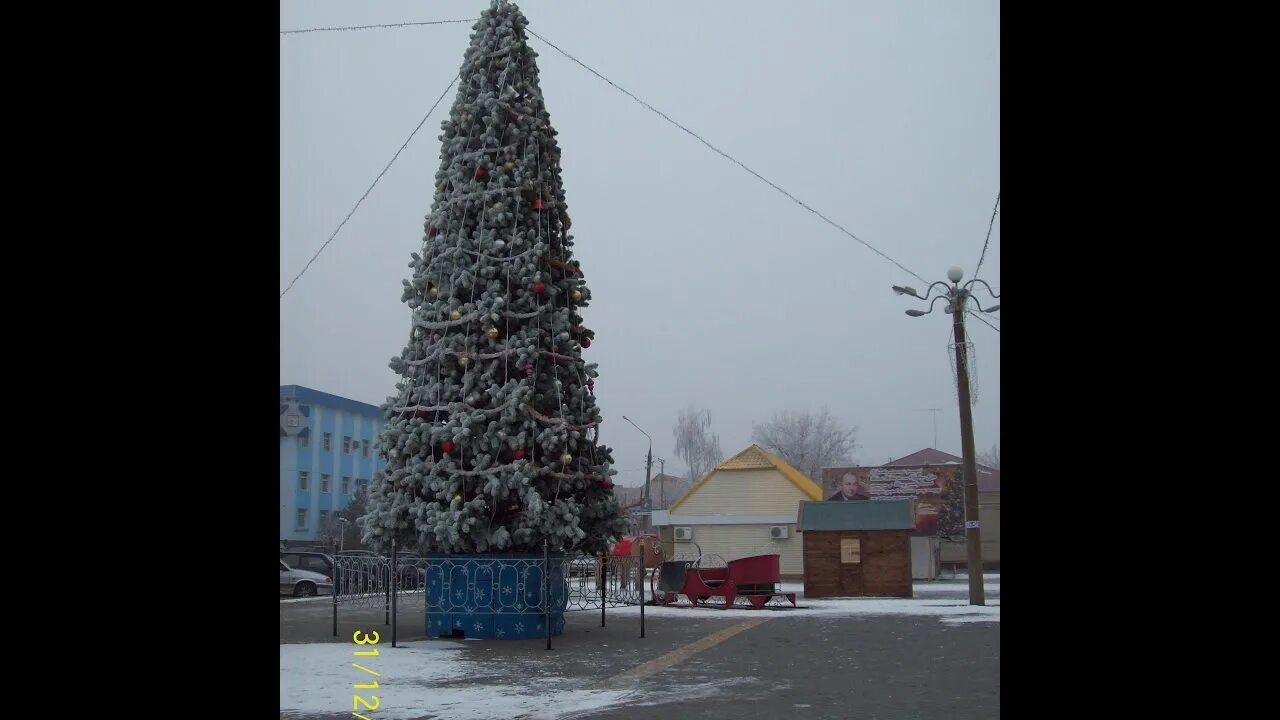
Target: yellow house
<point x="746" y="506"/>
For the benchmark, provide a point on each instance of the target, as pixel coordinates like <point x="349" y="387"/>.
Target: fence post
<point x="641" y="571"/>
<point x="395" y="580"/>
<point x="546" y="589"/>
<point x="386" y="602"/>
<point x="604" y="582"/>
<point x="336" y="559"/>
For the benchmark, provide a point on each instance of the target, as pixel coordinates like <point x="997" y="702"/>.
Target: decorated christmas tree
<point x="491" y="442"/>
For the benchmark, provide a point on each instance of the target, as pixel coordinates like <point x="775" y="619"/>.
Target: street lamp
<point x="648" y="464"/>
<point x="342" y="533"/>
<point x="956" y="296"/>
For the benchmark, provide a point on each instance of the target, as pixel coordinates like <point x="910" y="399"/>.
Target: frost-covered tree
<point x="695" y="442"/>
<point x="491" y="441"/>
<point x="991" y="458"/>
<point x="808" y="441"/>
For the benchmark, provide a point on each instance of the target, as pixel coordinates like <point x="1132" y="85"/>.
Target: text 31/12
<point x="356" y="700"/>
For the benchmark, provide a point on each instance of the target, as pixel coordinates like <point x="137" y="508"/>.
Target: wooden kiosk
<point x="857" y="549"/>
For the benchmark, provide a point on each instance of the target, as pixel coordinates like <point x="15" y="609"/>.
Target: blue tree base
<point x="494" y="596"/>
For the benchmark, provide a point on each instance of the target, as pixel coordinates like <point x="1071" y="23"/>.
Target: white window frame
<point x="326" y="479"/>
<point x="328" y="442"/>
<point x="305" y="517"/>
<point x="346" y="444"/>
<point x="346" y="484"/>
<point x="304" y="480"/>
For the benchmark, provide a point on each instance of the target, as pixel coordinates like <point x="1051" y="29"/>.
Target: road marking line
<point x="665" y="662"/>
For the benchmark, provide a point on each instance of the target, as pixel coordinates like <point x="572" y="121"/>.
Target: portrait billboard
<point x="934" y="488"/>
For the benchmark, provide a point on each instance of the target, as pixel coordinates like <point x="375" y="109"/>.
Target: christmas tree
<point x="491" y="441"/>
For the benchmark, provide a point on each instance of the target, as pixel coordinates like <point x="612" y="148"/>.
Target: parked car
<point x="317" y="562"/>
<point x="363" y="571"/>
<point x="303" y="583"/>
<point x="356" y="572"/>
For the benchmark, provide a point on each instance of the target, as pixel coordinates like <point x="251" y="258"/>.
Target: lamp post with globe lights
<point x="957" y="297"/>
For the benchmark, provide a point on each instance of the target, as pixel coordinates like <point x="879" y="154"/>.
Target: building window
<point x="346" y="444"/>
<point x="327" y="445"/>
<point x="364" y="444"/>
<point x="304" y="440"/>
<point x="346" y="485"/>
<point x="362" y="483"/>
<point x="324" y="517"/>
<point x="324" y="483"/>
<point x="304" y="480"/>
<point x="302" y="519"/>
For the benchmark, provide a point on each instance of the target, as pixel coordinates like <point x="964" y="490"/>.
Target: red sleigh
<point x="756" y="578"/>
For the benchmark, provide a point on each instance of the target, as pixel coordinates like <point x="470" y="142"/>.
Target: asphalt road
<point x="816" y="667"/>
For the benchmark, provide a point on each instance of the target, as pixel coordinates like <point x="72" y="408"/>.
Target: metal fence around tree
<point x="552" y="584"/>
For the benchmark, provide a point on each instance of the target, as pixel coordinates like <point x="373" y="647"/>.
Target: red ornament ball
<point x="539" y="287"/>
<point x="591" y="383"/>
<point x="447" y="446"/>
<point x="520" y="454"/>
<point x="586" y="342"/>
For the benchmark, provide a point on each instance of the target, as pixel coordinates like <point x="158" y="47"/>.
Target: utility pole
<point x="662" y="486"/>
<point x="648" y="468"/>
<point x="935" y="412"/>
<point x="957" y="296"/>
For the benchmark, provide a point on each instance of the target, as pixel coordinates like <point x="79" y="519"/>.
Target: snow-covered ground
<point x="419" y="679"/>
<point x="948" y="610"/>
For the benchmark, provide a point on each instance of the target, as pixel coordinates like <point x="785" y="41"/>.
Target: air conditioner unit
<point x="684" y="533"/>
<point x="778" y="532"/>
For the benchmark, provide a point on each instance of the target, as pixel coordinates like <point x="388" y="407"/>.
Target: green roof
<point x="827" y="515"/>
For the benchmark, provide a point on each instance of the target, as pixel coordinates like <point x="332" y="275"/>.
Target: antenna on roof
<point x="935" y="412"/>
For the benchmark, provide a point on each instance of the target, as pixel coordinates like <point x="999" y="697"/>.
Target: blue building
<point x="326" y="452"/>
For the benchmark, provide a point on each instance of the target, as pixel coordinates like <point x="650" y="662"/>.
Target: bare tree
<point x="991" y="458"/>
<point x="808" y="441"/>
<point x="695" y="442"/>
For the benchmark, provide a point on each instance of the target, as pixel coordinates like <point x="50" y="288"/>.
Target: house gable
<point x="753" y="482"/>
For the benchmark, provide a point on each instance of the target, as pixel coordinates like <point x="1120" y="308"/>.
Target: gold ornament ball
<point x="509" y="166"/>
<point x="577" y="296"/>
<point x="457" y="498"/>
<point x="566" y="459"/>
<point x="433" y="292"/>
<point x="492" y="333"/>
<point x="464" y="361"/>
<point x="455" y="315"/>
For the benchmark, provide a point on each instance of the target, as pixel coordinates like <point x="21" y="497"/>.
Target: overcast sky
<point x="708" y="286"/>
